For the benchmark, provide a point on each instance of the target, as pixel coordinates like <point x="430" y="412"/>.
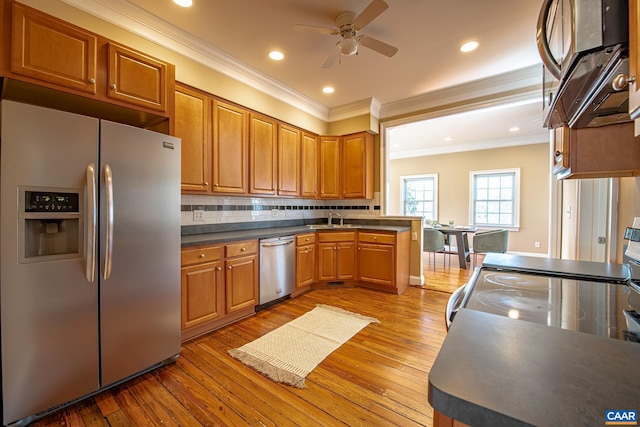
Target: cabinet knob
<point x="338" y="248"/>
<point x="230" y="267"/>
<point x="92" y="80"/>
<point x="215" y="185"/>
<point x="206" y="184"/>
<point x="202" y="255"/>
<point x="621" y="81"/>
<point x="218" y="268"/>
<point x="375" y="238"/>
<point x="113" y="86"/>
<point x="243" y="250"/>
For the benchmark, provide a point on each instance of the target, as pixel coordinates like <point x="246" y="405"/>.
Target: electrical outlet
<point x="274" y="212"/>
<point x="414" y="235"/>
<point x="536" y="244"/>
<point x="198" y="215"/>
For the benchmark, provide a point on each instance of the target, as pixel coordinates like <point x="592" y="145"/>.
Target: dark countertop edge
<point x="495" y="371"/>
<point x="585" y="270"/>
<point x="265" y="233"/>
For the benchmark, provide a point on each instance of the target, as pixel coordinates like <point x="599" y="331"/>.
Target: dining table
<point x="462" y="240"/>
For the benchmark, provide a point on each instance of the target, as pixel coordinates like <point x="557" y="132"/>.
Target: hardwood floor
<point x="379" y="377"/>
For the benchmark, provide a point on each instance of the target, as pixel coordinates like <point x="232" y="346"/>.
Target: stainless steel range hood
<point x="587" y="98"/>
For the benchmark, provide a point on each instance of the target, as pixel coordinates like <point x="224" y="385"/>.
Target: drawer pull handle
<point x="243" y="249"/>
<point x="202" y="255"/>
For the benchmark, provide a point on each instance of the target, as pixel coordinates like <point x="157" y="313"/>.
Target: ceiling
<point x="236" y="36"/>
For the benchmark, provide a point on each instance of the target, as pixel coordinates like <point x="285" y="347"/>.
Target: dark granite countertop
<point x="265" y="233"/>
<point x="495" y="371"/>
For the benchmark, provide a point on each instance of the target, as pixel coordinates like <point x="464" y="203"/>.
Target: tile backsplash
<point x="201" y="210"/>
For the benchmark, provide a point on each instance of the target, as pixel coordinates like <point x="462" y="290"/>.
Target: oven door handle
<point x="453" y="304"/>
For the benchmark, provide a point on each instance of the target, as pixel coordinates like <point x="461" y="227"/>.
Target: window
<point x="420" y="195"/>
<point x="495" y="198"/>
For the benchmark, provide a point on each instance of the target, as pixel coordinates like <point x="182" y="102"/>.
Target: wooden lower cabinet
<point x="336" y="256"/>
<point x="219" y="285"/>
<point x="383" y="260"/>
<point x="441" y="420"/>
<point x="305" y="262"/>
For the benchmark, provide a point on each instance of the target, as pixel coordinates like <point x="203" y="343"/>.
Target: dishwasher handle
<point x="281" y="243"/>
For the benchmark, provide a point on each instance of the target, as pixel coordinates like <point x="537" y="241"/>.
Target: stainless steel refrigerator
<point x="90" y="269"/>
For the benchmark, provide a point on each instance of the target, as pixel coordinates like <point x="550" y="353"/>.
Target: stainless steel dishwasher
<point x="277" y="268"/>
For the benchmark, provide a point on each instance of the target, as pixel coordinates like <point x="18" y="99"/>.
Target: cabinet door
<point x="346" y="261"/>
<point x="327" y="261"/>
<point x="376" y="264"/>
<point x="305" y="265"/>
<point x="191" y="125"/>
<point x="357" y="166"/>
<point x="309" y="166"/>
<point x="241" y="283"/>
<point x="329" y="167"/>
<point x="262" y="154"/>
<point x="288" y="161"/>
<point x="634" y="58"/>
<point x="230" y="143"/>
<point x="136" y="78"/>
<point x="52" y="51"/>
<point x="202" y="293"/>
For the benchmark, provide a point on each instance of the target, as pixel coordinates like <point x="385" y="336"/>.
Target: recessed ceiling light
<point x="514" y="129"/>
<point x="448" y="138"/>
<point x="183" y="3"/>
<point x="328" y="89"/>
<point x="469" y="46"/>
<point x="276" y="55"/>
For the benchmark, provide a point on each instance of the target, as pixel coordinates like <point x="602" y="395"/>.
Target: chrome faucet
<point x="331" y="215"/>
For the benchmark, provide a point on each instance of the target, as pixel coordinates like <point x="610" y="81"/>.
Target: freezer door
<point x="49" y="316"/>
<point x="139" y="250"/>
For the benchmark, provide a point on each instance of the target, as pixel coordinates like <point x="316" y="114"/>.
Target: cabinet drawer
<point x="346" y="236"/>
<point x="242" y="248"/>
<point x="200" y="255"/>
<point x="386" y="239"/>
<point x="305" y="239"/>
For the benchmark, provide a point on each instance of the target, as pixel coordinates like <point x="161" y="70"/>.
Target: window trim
<point x="516" y="198"/>
<point x="434" y="176"/>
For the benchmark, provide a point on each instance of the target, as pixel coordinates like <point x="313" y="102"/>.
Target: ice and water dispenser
<point x="50" y="224"/>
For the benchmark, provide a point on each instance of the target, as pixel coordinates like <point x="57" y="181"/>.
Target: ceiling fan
<point x="348" y="25"/>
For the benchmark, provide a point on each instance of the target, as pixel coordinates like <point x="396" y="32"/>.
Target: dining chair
<point x="490" y="241"/>
<point x="433" y="241"/>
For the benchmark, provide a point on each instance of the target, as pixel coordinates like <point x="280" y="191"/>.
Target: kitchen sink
<point x="331" y="226"/>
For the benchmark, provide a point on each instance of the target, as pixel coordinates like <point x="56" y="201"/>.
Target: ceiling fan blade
<point x="331" y="59"/>
<point x="371" y="12"/>
<point x="311" y="29"/>
<point x="378" y="46"/>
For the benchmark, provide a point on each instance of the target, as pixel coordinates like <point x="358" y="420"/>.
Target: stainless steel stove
<point x="582" y="296"/>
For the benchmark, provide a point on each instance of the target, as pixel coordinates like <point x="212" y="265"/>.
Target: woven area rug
<point x="288" y="354"/>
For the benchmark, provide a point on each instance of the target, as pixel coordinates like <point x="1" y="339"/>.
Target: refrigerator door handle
<point x="108" y="245"/>
<point x="91" y="223"/>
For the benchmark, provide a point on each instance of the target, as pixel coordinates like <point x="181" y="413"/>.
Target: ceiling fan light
<point x="348" y="46"/>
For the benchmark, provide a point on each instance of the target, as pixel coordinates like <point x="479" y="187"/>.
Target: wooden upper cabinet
<point x="230" y="145"/>
<point x="309" y="166"/>
<point x="263" y="148"/>
<point x="288" y="160"/>
<point x="357" y="166"/>
<point x="634" y="58"/>
<point x="329" y="167"/>
<point x="52" y="51"/>
<point x="192" y="126"/>
<point x="136" y="78"/>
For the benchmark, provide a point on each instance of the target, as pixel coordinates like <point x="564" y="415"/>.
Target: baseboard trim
<point x="416" y="280"/>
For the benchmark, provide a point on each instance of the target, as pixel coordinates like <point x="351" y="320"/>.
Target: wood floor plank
<point x="379" y="377"/>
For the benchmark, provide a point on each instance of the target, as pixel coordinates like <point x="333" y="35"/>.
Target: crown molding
<point x="136" y="20"/>
<point x="512" y="81"/>
<point x="365" y="106"/>
<point x="475" y="146"/>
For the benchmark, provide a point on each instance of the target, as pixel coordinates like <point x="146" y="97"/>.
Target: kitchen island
<point x="496" y="371"/>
